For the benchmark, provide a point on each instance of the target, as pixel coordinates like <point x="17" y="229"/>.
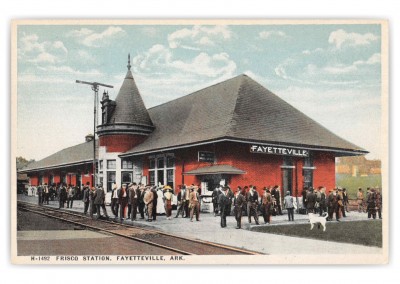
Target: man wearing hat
<point x="92" y="195"/>
<point x="311" y="199"/>
<point x="322" y="202"/>
<point x="194" y="203"/>
<point x="140" y="194"/>
<point x="148" y="201"/>
<point x="85" y="199"/>
<point x="371" y="201"/>
<point x="99" y="198"/>
<point x="252" y="204"/>
<point x="266" y="205"/>
<point x="132" y="201"/>
<point x="168" y="195"/>
<point x="224" y="205"/>
<point x="182" y="202"/>
<point x="114" y="200"/>
<point x="360" y="200"/>
<point x="332" y="204"/>
<point x="215" y="196"/>
<point x="339" y="207"/>
<point x="123" y="201"/>
<point x="239" y="203"/>
<point x="288" y="202"/>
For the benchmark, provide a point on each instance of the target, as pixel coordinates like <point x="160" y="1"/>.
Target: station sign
<point x="204" y="156"/>
<point x="275" y="150"/>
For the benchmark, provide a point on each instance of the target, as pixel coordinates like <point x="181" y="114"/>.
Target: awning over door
<point x="215" y="169"/>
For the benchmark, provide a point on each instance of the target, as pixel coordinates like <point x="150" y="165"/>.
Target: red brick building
<point x="236" y="131"/>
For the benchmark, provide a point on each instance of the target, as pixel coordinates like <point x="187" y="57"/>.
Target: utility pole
<point x="95" y="88"/>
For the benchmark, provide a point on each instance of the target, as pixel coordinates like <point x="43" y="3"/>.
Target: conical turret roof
<point x="130" y="107"/>
<point x="130" y="114"/>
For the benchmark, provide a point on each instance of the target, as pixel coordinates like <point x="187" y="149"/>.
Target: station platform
<point x="208" y="229"/>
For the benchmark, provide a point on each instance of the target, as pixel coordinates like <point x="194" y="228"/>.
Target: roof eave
<point x="339" y="151"/>
<point x="56" y="166"/>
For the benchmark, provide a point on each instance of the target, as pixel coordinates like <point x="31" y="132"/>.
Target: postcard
<point x="199" y="142"/>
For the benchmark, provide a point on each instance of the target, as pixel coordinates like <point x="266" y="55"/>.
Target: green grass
<point x="368" y="233"/>
<point x="353" y="183"/>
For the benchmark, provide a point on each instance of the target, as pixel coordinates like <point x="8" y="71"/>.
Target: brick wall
<point x="261" y="169"/>
<point x="121" y="142"/>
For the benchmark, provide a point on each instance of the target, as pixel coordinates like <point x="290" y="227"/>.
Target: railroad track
<point x="174" y="243"/>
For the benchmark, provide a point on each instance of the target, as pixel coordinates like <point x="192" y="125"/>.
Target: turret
<point x="125" y="121"/>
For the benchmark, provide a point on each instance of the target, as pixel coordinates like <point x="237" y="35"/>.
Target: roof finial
<point x="129" y="62"/>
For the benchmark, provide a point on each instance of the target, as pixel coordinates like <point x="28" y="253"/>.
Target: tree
<point x="22" y="162"/>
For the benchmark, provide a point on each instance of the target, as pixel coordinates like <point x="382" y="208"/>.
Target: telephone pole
<point x="95" y="88"/>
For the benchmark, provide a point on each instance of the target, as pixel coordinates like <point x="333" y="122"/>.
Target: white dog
<point x="316" y="219"/>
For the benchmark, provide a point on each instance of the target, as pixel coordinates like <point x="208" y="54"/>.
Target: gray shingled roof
<point x="130" y="107"/>
<point x="81" y="153"/>
<point x="238" y="108"/>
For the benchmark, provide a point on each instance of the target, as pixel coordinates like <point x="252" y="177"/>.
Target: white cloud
<point x="44" y="57"/>
<point x="271" y="34"/>
<point x="31" y="49"/>
<point x="354" y="67"/>
<point x="341" y="37"/>
<point x="83" y="54"/>
<point x="90" y="38"/>
<point x="198" y="36"/>
<point x="62" y="70"/>
<point x="374" y="59"/>
<point x="161" y="59"/>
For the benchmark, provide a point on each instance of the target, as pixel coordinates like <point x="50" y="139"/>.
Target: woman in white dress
<point x="160" y="201"/>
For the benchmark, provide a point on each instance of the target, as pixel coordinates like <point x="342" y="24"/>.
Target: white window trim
<point x="165" y="168"/>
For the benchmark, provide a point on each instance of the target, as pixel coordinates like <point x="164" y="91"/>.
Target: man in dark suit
<point x="215" y="198"/>
<point x="239" y="202"/>
<point x="252" y="204"/>
<point x="99" y="198"/>
<point x="332" y="204"/>
<point x="132" y="200"/>
<point x="85" y="198"/>
<point x="63" y="195"/>
<point x="155" y="199"/>
<point x="311" y="199"/>
<point x="277" y="196"/>
<point x="40" y="194"/>
<point x="181" y="201"/>
<point x="224" y="205"/>
<point x="142" y="204"/>
<point x="122" y="200"/>
<point x="114" y="200"/>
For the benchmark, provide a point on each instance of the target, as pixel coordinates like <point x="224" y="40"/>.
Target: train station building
<point x="236" y="132"/>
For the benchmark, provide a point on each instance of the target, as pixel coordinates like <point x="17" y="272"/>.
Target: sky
<point x="332" y="73"/>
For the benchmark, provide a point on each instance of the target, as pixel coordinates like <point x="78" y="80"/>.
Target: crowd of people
<point x="131" y="199"/>
<point x="63" y="193"/>
<point x="337" y="202"/>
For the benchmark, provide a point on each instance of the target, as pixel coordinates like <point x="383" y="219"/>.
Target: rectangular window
<point x="152" y="164"/>
<point x="170" y="178"/>
<point x="160" y="163"/>
<point x="127" y="165"/>
<point x="170" y="162"/>
<point x="101" y="165"/>
<point x="110" y="180"/>
<point x="111" y="164"/>
<point x="151" y="177"/>
<point x="126" y="177"/>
